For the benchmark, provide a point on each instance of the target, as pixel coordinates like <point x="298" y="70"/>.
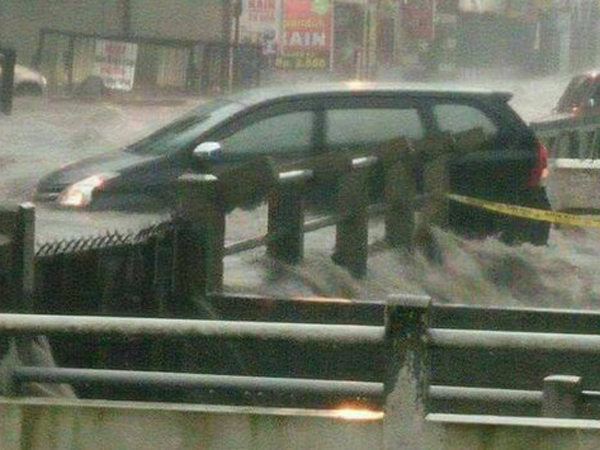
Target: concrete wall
<point x="44" y="424"/>
<point x="21" y="20"/>
<point x="454" y="432"/>
<point x="570" y="183"/>
<point x="50" y="424"/>
<point x="178" y="19"/>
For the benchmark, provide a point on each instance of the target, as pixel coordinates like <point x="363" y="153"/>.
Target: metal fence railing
<point x="508" y="361"/>
<point x="281" y="376"/>
<point x="443" y="358"/>
<point x="169" y="270"/>
<point x="571" y="137"/>
<point x="159" y="66"/>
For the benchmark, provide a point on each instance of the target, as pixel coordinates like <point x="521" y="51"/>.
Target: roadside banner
<point x="115" y="63"/>
<point x="259" y="23"/>
<point x="306" y="35"/>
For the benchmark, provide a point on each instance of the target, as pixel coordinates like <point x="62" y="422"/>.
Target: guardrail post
<point x="286" y="218"/>
<point x="562" y="396"/>
<point x="201" y="238"/>
<point x="574" y="144"/>
<point x="406" y="387"/>
<point x="595" y="144"/>
<point x="399" y="192"/>
<point x="8" y="59"/>
<point x="352" y="231"/>
<point x="436" y="185"/>
<point x="17" y="224"/>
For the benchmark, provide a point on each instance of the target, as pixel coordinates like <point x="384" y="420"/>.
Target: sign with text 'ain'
<point x="306" y="35"/>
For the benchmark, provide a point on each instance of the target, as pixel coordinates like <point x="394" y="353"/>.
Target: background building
<point x="176" y="44"/>
<point x="187" y="44"/>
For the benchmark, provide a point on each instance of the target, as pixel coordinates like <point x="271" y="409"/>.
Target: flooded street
<point x="41" y="136"/>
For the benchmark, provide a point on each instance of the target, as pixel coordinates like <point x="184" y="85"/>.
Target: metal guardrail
<point x="456" y="393"/>
<point x="203" y="202"/>
<point x="26" y="324"/>
<point x="256" y="332"/>
<point x="302" y="176"/>
<point x="166" y="380"/>
<point x="497" y="396"/>
<point x="570" y="137"/>
<point x="510" y="340"/>
<point x="481" y="366"/>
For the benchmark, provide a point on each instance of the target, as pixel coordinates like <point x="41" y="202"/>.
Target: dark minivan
<point x="295" y="123"/>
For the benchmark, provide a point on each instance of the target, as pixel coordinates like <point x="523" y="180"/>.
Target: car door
<point x="360" y="124"/>
<point x="494" y="154"/>
<point x="283" y="131"/>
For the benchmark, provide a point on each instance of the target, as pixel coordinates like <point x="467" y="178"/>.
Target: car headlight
<point x="80" y="194"/>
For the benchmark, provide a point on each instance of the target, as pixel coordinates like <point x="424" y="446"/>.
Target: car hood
<point x="114" y="162"/>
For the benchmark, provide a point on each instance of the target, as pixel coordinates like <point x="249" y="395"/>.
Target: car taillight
<point x="540" y="169"/>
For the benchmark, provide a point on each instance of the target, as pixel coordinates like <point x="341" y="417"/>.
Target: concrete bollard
<point x="407" y="321"/>
<point x="562" y="396"/>
<point x="352" y="230"/>
<point x="201" y="238"/>
<point x="286" y="217"/>
<point x="437" y="185"/>
<point x="435" y="211"/>
<point x="399" y="194"/>
<point x="17" y="224"/>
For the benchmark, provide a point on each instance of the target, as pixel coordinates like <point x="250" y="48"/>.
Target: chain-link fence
<point x="116" y="274"/>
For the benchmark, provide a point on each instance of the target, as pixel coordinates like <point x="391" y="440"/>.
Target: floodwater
<point x="42" y="135"/>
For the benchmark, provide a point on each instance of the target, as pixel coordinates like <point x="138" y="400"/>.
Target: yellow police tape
<point x="529" y="213"/>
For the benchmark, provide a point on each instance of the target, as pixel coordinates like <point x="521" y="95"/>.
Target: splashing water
<point x="40" y="136"/>
<point x="485" y="272"/>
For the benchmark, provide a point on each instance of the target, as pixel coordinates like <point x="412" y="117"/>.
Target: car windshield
<point x="183" y="132"/>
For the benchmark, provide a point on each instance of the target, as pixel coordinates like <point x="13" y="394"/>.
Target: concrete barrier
<point x="42" y="424"/>
<point x="66" y="424"/>
<point x="571" y="184"/>
<point x="460" y="432"/>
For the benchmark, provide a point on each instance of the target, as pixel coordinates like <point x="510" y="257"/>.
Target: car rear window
<point x="458" y="119"/>
<point x="371" y="126"/>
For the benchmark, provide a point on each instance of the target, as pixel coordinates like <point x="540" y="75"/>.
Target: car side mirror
<point x="208" y="152"/>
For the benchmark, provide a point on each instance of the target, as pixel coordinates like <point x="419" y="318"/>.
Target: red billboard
<point x="305" y="41"/>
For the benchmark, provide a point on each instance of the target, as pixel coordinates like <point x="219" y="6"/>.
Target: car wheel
<point x="535" y="232"/>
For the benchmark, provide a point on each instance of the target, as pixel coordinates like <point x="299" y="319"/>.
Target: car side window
<point x="371" y="126"/>
<point x="283" y="133"/>
<point x="458" y="119"/>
